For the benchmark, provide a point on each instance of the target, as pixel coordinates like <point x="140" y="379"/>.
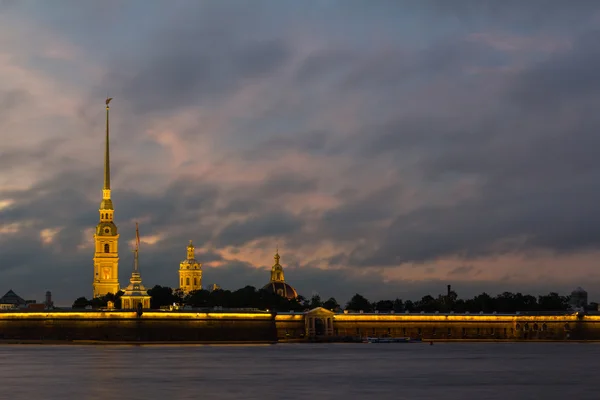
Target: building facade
<point x="190" y="271"/>
<point x="106" y="238"/>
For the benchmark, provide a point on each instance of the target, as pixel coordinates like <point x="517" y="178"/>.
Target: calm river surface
<point x="302" y="371"/>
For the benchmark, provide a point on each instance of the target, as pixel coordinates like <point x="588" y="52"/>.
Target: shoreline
<point x="260" y="343"/>
<point x="131" y="342"/>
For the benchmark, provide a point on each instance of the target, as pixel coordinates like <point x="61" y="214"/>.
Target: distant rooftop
<point x="12" y="298"/>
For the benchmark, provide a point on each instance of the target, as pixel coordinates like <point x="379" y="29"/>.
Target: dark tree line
<point x="99" y="302"/>
<point x="250" y="297"/>
<point x="506" y="302"/>
<point x="247" y="297"/>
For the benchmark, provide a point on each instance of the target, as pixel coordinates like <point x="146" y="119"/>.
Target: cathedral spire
<point x="106" y="200"/>
<point x="106" y="238"/>
<point x="107" y="152"/>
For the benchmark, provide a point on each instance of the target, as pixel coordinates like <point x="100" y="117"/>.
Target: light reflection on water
<point x="302" y="371"/>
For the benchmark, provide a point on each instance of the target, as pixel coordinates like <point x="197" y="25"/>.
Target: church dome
<point x="282" y="289"/>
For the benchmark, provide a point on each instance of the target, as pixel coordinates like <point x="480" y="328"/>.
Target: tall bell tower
<point x="190" y="272"/>
<point x="106" y="238"/>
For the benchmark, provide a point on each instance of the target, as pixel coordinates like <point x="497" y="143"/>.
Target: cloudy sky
<point x="388" y="147"/>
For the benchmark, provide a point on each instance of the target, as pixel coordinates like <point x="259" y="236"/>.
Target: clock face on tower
<point x="106" y="273"/>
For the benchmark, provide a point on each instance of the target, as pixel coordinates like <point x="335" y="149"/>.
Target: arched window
<point x="195" y="281"/>
<point x="187" y="281"/>
<point x="107" y="248"/>
<point x="181" y="282"/>
<point x="102" y="216"/>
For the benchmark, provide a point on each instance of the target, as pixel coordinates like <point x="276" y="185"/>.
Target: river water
<point x="302" y="371"/>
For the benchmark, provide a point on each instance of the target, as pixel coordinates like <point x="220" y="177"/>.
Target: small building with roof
<point x="277" y="284"/>
<point x="11" y="300"/>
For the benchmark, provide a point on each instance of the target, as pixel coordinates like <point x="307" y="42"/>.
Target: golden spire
<point x="106" y="201"/>
<point x="107" y="151"/>
<point x="276" y="257"/>
<point x="137" y="249"/>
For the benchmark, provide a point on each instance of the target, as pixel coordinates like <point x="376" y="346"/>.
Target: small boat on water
<point x="390" y="340"/>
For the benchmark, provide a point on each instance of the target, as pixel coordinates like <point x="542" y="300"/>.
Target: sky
<point x="389" y="147"/>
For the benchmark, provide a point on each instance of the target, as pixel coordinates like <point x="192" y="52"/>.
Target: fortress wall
<point x="290" y="326"/>
<point x="489" y="327"/>
<point x="126" y="326"/>
<point x="264" y="327"/>
<point x="588" y="328"/>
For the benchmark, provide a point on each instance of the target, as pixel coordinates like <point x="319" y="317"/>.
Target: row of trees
<point x="250" y="297"/>
<point x="506" y="302"/>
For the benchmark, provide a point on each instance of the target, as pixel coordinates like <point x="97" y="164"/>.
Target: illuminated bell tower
<point x="106" y="238"/>
<point x="190" y="272"/>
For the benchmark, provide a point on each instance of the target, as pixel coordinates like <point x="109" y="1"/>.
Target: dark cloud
<point x="190" y="63"/>
<point x="265" y="225"/>
<point x="470" y="163"/>
<point x="358" y="214"/>
<point x="513" y="13"/>
<point x="567" y="77"/>
<point x="532" y="173"/>
<point x="465" y="270"/>
<point x="312" y="142"/>
<point x="323" y="64"/>
<point x="44" y="155"/>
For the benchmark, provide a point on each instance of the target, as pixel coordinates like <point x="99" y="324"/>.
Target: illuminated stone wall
<point x="447" y="326"/>
<point x="458" y="326"/>
<point x="290" y="326"/>
<point x="265" y="327"/>
<point x="126" y="326"/>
